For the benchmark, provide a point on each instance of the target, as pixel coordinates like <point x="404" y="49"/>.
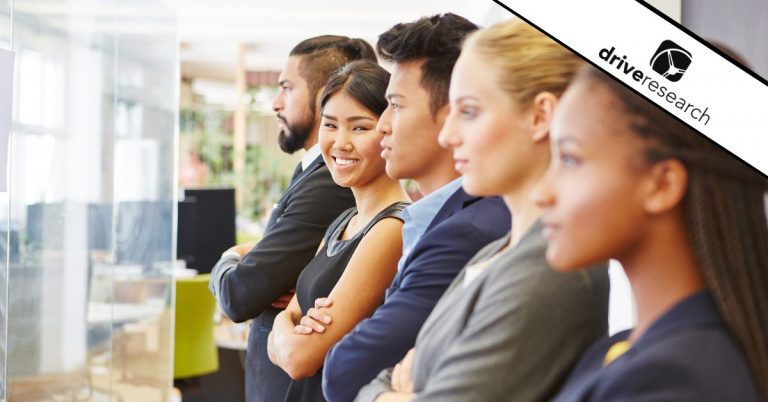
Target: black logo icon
<point x="671" y="60"/>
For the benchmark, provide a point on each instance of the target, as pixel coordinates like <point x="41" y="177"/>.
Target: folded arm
<point x="358" y="292"/>
<point x="383" y="339"/>
<point x="521" y="340"/>
<point x="246" y="287"/>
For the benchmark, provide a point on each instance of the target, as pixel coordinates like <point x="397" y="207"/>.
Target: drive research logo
<point x="672" y="69"/>
<point x="671" y="60"/>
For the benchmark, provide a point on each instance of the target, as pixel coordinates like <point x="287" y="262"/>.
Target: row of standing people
<point x="535" y="171"/>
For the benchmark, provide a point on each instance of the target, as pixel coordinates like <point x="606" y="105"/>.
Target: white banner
<point x="664" y="64"/>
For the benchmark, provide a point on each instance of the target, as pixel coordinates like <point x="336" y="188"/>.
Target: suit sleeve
<point x="520" y="342"/>
<point x="272" y="267"/>
<point x="382" y="340"/>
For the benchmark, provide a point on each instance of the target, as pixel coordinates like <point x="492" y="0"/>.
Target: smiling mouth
<point x="345" y="162"/>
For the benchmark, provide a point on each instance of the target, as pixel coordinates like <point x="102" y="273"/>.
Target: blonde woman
<point x="509" y="327"/>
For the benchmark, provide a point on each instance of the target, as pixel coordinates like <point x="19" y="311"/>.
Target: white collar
<point x="310" y="156"/>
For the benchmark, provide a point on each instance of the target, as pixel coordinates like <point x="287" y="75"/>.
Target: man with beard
<point x="255" y="280"/>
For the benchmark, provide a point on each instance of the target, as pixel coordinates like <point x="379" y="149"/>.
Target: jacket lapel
<point x="316" y="164"/>
<point x="455" y="203"/>
<point x="296" y="180"/>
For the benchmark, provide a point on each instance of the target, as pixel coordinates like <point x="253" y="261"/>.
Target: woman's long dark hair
<point x="725" y="211"/>
<point x="363" y="80"/>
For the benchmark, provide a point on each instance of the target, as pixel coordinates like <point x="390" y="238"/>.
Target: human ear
<point x="318" y="96"/>
<point x="668" y="184"/>
<point x="543" y="109"/>
<point x="442" y="114"/>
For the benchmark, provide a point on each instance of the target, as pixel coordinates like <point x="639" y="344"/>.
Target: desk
<point x="120" y="313"/>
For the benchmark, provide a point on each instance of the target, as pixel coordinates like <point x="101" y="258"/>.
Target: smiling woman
<point x="359" y="253"/>
<point x="351" y="105"/>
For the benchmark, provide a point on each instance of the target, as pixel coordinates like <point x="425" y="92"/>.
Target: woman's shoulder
<point x="526" y="263"/>
<point x="381" y="238"/>
<point x="702" y="363"/>
<point x="390" y="218"/>
<point x="704" y="350"/>
<point x="394" y="210"/>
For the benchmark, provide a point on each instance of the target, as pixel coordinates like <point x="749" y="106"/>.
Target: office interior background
<point x="142" y="145"/>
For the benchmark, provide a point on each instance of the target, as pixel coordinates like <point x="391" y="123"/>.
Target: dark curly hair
<point x="322" y="55"/>
<point x="437" y="40"/>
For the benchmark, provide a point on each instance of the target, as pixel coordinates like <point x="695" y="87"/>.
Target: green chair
<point x="195" y="351"/>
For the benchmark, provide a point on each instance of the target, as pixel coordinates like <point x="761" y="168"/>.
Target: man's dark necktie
<point x="296" y="172"/>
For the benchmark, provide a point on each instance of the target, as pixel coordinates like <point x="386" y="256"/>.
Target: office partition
<point x="86" y="223"/>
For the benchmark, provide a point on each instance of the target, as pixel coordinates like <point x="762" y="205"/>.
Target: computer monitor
<point x="143" y="233"/>
<point x="206" y="226"/>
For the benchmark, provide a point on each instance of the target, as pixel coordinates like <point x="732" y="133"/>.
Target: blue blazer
<point x="685" y="356"/>
<point x="463" y="226"/>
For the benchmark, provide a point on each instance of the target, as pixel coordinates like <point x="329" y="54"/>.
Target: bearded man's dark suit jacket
<point x="245" y="288"/>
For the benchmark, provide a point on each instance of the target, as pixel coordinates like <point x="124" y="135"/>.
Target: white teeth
<point x="344" y="162"/>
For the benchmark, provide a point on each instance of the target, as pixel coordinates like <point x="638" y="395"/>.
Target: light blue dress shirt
<point x="420" y="214"/>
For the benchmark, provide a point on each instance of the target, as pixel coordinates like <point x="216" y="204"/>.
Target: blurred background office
<point x="142" y="144"/>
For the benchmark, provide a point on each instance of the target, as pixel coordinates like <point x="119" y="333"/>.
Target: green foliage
<point x="208" y="132"/>
<point x="265" y="181"/>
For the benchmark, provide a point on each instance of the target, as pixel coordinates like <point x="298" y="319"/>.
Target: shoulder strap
<point x="333" y="229"/>
<point x="393" y="211"/>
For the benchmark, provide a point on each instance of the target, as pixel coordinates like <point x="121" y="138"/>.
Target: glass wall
<point x="5" y="46"/>
<point x="88" y="221"/>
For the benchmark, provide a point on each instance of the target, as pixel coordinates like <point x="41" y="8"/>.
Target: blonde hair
<point x="527" y="62"/>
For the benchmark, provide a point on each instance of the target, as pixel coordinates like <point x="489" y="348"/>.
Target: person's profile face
<point x="410" y="130"/>
<point x="592" y="195"/>
<point x="350" y="142"/>
<point x="295" y="117"/>
<point x="490" y="134"/>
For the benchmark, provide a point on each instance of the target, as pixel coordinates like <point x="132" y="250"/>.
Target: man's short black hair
<point x="323" y="55"/>
<point x="437" y="40"/>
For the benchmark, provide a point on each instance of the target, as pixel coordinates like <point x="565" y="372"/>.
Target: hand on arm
<point x="242" y="249"/>
<point x="402" y="384"/>
<point x="283" y="322"/>
<point x="401" y="375"/>
<point x="282" y="301"/>
<point x="317" y="318"/>
<point x="357" y="293"/>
